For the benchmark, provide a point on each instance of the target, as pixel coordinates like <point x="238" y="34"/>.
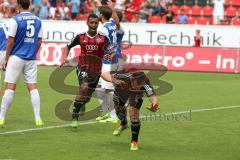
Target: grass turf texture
<point x="210" y="135"/>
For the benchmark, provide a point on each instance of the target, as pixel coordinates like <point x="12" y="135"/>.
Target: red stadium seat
<point x="208" y="11"/>
<point x="191" y="20"/>
<point x="236" y="21"/>
<point x="210" y="21"/>
<point x="228" y="2"/>
<point x="186" y="8"/>
<point x="78" y="17"/>
<point x="231" y="12"/>
<point x="236" y="3"/>
<point x="175" y="9"/>
<point x="163" y="20"/>
<point x="196" y="11"/>
<point x="202" y="21"/>
<point x="154" y="19"/>
<point x="84" y="17"/>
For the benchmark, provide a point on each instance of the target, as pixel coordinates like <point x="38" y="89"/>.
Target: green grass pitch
<point x="209" y="135"/>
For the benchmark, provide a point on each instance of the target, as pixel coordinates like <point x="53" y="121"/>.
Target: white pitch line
<point x="44" y="128"/>
<point x="92" y="122"/>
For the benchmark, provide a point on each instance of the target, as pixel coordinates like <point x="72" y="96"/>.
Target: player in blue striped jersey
<point x="105" y="93"/>
<point x="25" y="38"/>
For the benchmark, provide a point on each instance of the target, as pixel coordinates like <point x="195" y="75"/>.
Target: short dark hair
<point x="24" y="3"/>
<point x="92" y="15"/>
<point x="105" y="11"/>
<point x="120" y="15"/>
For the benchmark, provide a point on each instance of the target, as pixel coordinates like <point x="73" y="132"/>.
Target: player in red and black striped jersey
<point x="94" y="47"/>
<point x="136" y="84"/>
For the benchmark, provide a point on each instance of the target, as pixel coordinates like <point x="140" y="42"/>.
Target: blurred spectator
<point x="92" y="6"/>
<point x="52" y="10"/>
<point x="218" y="11"/>
<point x="75" y="8"/>
<point x="165" y="3"/>
<point x="120" y="5"/>
<point x="182" y="18"/>
<point x="36" y="3"/>
<point x="131" y="10"/>
<point x="158" y="9"/>
<point x="198" y="39"/>
<point x="82" y="7"/>
<point x="63" y="11"/>
<point x="169" y="15"/>
<point x="150" y="4"/>
<point x="145" y="12"/>
<point x="44" y="10"/>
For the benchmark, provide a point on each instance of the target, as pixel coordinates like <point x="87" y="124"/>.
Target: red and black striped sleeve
<point x="75" y="41"/>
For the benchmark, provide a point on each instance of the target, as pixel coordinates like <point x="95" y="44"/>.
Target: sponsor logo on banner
<point x="51" y="54"/>
<point x="152" y="34"/>
<point x="150" y="57"/>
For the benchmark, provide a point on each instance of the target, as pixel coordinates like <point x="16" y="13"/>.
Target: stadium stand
<point x="198" y="11"/>
<point x="207" y="11"/>
<point x="202" y="21"/>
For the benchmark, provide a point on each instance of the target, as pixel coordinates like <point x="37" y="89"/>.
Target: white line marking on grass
<point x="44" y="128"/>
<point x="207" y="109"/>
<point x="92" y="122"/>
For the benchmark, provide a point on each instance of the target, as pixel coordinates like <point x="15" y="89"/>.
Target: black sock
<point x="76" y="109"/>
<point x="122" y="117"/>
<point x="135" y="127"/>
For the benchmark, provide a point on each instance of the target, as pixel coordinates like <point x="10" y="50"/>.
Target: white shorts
<point x="2" y="58"/>
<point x="107" y="68"/>
<point x="16" y="66"/>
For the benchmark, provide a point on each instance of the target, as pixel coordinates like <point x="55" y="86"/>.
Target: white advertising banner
<point x="152" y="34"/>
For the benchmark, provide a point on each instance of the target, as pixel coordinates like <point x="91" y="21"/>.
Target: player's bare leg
<point x="6" y="101"/>
<point x="81" y="99"/>
<point x="35" y="100"/>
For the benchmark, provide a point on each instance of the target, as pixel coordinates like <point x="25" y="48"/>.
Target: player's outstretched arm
<point x="114" y="13"/>
<point x="107" y="76"/>
<point x="67" y="49"/>
<point x="65" y="55"/>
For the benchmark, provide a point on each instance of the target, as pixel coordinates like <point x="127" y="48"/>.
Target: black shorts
<point x="91" y="80"/>
<point x="135" y="99"/>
